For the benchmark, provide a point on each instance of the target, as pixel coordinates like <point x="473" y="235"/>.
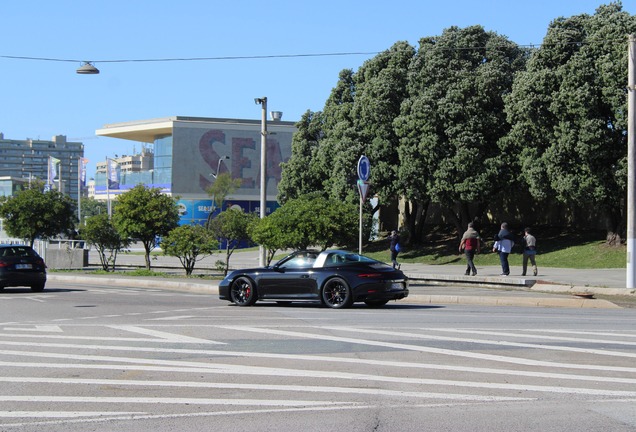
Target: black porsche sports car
<point x="335" y="278"/>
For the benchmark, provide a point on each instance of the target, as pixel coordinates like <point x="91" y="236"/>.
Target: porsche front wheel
<point x="337" y="294"/>
<point x="243" y="292"/>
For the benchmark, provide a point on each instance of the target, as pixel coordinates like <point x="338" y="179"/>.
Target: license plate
<point x="23" y="266"/>
<point x="397" y="286"/>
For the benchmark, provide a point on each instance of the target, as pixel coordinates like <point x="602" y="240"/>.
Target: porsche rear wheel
<point x="376" y="303"/>
<point x="337" y="294"/>
<point x="243" y="292"/>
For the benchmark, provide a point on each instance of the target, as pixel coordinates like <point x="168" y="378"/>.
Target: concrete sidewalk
<point x="430" y="284"/>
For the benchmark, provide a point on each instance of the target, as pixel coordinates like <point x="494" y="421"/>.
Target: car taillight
<point x="371" y="275"/>
<point x="4" y="264"/>
<point x="40" y="262"/>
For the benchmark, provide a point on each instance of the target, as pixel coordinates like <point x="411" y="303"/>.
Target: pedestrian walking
<point x="470" y="244"/>
<point x="529" y="245"/>
<point x="504" y="241"/>
<point x="394" y="237"/>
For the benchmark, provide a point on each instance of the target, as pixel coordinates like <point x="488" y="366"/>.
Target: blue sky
<point x="47" y="98"/>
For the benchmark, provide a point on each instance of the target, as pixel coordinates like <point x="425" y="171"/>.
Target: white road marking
<point x="455" y="353"/>
<point x="106" y="338"/>
<point x="618" y="333"/>
<point x="300" y="373"/>
<point x="163" y="335"/>
<point x="174" y="318"/>
<point x="39" y="328"/>
<point x="60" y="414"/>
<point x="487" y="342"/>
<point x="512" y="360"/>
<point x="186" y="415"/>
<point x="170" y="401"/>
<point x="264" y="387"/>
<point x="534" y="336"/>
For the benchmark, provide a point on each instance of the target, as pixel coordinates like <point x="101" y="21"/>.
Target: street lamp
<point x="213" y="206"/>
<point x="219" y="166"/>
<point x="263" y="102"/>
<point x="87" y="68"/>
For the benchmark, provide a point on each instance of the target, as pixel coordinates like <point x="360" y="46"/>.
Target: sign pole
<point x="360" y="242"/>
<point x="364" y="169"/>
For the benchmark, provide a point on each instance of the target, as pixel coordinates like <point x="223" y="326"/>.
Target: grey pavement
<point x="430" y="284"/>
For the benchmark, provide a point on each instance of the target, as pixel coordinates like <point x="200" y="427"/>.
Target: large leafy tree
<point x="145" y="214"/>
<point x="189" y="243"/>
<point x="453" y="120"/>
<point x="34" y="213"/>
<point x="303" y="172"/>
<point x="100" y="232"/>
<point x="381" y="85"/>
<point x="569" y="113"/>
<point x="311" y="220"/>
<point x="232" y="227"/>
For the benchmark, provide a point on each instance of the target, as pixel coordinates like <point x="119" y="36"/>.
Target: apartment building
<point x="26" y="160"/>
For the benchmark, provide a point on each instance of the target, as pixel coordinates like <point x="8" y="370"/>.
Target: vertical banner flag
<point x="82" y="170"/>
<point x="112" y="174"/>
<point x="52" y="170"/>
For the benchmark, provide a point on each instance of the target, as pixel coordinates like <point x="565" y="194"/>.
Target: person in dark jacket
<point x="395" y="239"/>
<point x="471" y="241"/>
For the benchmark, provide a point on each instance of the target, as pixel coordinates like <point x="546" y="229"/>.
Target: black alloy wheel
<point x="243" y="292"/>
<point x="37" y="288"/>
<point x="337" y="294"/>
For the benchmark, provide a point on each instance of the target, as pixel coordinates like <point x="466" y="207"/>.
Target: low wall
<point x="66" y="259"/>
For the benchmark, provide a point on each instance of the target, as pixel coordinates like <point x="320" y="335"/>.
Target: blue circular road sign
<point x="364" y="168"/>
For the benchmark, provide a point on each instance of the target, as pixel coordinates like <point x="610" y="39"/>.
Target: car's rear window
<point x="17" y="251"/>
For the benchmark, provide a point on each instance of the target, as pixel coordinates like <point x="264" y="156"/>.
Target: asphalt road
<point x="79" y="358"/>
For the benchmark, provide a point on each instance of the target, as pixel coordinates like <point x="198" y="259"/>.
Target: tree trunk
<point x="147" y="256"/>
<point x="414" y="213"/>
<point x="615" y="226"/>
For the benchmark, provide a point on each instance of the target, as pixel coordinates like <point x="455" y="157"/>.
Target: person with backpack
<point x="504" y="241"/>
<point x="395" y="248"/>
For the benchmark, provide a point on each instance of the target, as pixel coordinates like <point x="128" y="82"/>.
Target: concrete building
<point x="28" y="159"/>
<point x="187" y="150"/>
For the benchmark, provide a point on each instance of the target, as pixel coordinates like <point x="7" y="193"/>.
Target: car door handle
<point x="304" y="277"/>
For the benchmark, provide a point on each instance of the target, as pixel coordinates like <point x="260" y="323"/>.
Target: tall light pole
<point x="631" y="162"/>
<point x="263" y="102"/>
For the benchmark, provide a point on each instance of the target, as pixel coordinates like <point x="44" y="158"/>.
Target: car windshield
<point x="299" y="260"/>
<point x="339" y="258"/>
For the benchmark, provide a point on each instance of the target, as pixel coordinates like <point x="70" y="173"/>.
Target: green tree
<point x="91" y="207"/>
<point x="223" y="186"/>
<point x="100" y="232"/>
<point x="33" y="213"/>
<point x="232" y="227"/>
<point x="569" y="114"/>
<point x="453" y="120"/>
<point x="310" y="220"/>
<point x="189" y="243"/>
<point x="303" y="173"/>
<point x="269" y="233"/>
<point x="145" y="214"/>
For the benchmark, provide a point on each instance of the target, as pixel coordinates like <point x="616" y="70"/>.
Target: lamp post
<point x="213" y="207"/>
<point x="263" y="102"/>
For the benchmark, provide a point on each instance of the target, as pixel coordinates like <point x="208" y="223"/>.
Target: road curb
<point x="511" y="301"/>
<point x="213" y="288"/>
<point x="159" y="284"/>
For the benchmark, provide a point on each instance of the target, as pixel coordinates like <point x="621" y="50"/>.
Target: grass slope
<point x="556" y="247"/>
